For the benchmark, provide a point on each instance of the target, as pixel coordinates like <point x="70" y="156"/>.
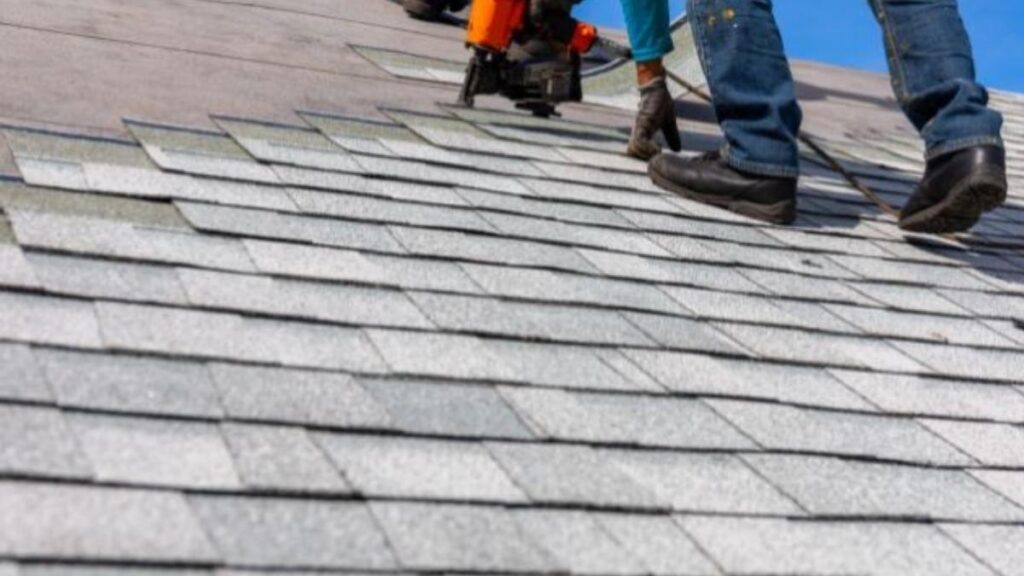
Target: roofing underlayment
<point x="385" y="334"/>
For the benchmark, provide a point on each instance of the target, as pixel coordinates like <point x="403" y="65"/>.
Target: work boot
<point x="710" y="180"/>
<point x="431" y="9"/>
<point x="956" y="190"/>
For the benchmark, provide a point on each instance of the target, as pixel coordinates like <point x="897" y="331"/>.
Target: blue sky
<point x="844" y="32"/>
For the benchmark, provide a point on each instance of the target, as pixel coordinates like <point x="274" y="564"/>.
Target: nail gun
<point x="529" y="51"/>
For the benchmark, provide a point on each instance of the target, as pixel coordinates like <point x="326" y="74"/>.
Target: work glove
<point x="657" y="112"/>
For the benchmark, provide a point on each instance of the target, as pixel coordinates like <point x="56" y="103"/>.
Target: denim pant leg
<point x="647" y="23"/>
<point x="933" y="74"/>
<point x="749" y="77"/>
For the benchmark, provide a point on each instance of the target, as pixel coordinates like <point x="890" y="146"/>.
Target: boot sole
<point x="783" y="212"/>
<point x="961" y="209"/>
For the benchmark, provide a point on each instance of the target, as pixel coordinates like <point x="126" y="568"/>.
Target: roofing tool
<point x="501" y="34"/>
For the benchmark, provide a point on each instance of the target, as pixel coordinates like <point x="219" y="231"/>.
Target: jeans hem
<point x="760" y="168"/>
<point x="961" y="144"/>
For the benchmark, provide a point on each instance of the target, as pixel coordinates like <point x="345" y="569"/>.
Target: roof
<point x="297" y="315"/>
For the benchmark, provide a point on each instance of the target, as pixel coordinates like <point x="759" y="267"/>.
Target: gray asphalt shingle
<point x="409" y="170"/>
<point x="467" y="247"/>
<point x="921" y="326"/>
<point x="635" y="267"/>
<point x="156" y="453"/>
<point x="526" y="206"/>
<point x="658" y="543"/>
<point x="20" y="200"/>
<point x="558" y="287"/>
<point x="716" y="483"/>
<point x="21" y="377"/>
<point x="991" y="444"/>
<point x="14" y="268"/>
<point x="929" y="396"/>
<point x="911" y="273"/>
<point x="964" y="362"/>
<point x="110" y="239"/>
<point x="988" y="303"/>
<point x="769" y="546"/>
<point x="726" y="306"/>
<point x="620" y="419"/>
<point x="387" y="211"/>
<point x="383" y="188"/>
<point x="47" y="320"/>
<point x="470" y="410"/>
<point x="90" y="278"/>
<point x="805" y="287"/>
<point x="835" y="488"/>
<point x="130" y="384"/>
<point x="38" y="442"/>
<point x="296" y="396"/>
<point x="252" y="223"/>
<point x="469" y="357"/>
<point x="789" y="428"/>
<point x="578" y="542"/>
<point x="231" y="337"/>
<point x="910" y="298"/>
<point x="563" y="474"/>
<point x="504" y="318"/>
<point x="289" y="145"/>
<point x="278" y="459"/>
<point x="59" y="522"/>
<point x="268" y="532"/>
<point x="590" y="194"/>
<point x="464" y="538"/>
<point x="419" y="469"/>
<point x="298" y="260"/>
<point x="700" y="374"/>
<point x="301" y="299"/>
<point x="1001" y="547"/>
<point x="1009" y="483"/>
<point x="175" y="330"/>
<point x="683" y="333"/>
<point x="791" y="345"/>
<point x="574" y="234"/>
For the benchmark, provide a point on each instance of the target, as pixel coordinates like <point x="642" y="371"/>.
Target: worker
<point x="432" y="10"/>
<point x="755" y="172"/>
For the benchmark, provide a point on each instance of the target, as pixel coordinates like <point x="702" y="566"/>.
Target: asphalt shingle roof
<point x="439" y="340"/>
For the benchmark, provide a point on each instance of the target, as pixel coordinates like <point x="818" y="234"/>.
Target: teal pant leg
<point x="647" y="22"/>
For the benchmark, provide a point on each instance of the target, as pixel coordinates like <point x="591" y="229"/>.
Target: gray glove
<point x="657" y="112"/>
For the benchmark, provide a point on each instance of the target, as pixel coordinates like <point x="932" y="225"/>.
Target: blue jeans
<point x="930" y="62"/>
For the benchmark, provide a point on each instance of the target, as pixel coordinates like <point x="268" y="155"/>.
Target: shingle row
<point x="56" y="522"/>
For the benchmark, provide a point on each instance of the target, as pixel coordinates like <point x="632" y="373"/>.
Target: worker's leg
<point x="933" y="77"/>
<point x="751" y="83"/>
<point x="647" y="23"/>
<point x="755" y="173"/>
<point x="650" y="38"/>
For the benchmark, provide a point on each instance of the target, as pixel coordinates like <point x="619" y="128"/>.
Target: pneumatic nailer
<point x="529" y="51"/>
